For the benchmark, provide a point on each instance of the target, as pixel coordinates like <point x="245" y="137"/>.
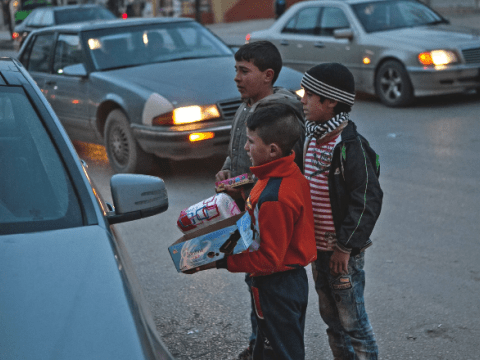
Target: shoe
<point x="247" y="353"/>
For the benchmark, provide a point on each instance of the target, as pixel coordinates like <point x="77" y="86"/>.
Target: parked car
<point x="24" y="8"/>
<point x="396" y="49"/>
<point x="141" y="87"/>
<point x="58" y="15"/>
<point x="68" y="289"/>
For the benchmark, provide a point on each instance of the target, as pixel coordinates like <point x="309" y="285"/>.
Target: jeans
<point x="253" y="318"/>
<point x="281" y="303"/>
<point x="342" y="308"/>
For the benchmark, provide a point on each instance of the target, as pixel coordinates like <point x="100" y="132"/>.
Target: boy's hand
<point x="235" y="193"/>
<point x="222" y="175"/>
<point x="212" y="265"/>
<point x="339" y="262"/>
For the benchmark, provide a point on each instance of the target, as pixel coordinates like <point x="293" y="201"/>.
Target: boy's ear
<point x="269" y="74"/>
<point x="331" y="103"/>
<point x="275" y="151"/>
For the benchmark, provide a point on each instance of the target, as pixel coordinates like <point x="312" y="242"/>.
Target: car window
<point x="40" y="55"/>
<point x="387" y="15"/>
<point x="68" y="51"/>
<point x="35" y="190"/>
<point x="305" y="22"/>
<point x="86" y="14"/>
<point x="332" y="18"/>
<point x="132" y="46"/>
<point x="47" y="19"/>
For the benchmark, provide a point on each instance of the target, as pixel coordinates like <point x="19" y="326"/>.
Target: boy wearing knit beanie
<point x="343" y="171"/>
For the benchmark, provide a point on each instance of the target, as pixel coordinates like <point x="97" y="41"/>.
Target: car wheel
<point x="123" y="151"/>
<point x="393" y="85"/>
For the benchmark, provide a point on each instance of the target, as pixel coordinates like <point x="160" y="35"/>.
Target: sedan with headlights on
<point x="396" y="49"/>
<point x="142" y="87"/>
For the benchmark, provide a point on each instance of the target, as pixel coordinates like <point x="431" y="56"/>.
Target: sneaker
<point x="247" y="353"/>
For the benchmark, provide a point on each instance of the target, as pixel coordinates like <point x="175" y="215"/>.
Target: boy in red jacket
<point x="284" y="240"/>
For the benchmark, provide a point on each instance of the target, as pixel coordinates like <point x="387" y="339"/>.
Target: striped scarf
<point x="320" y="130"/>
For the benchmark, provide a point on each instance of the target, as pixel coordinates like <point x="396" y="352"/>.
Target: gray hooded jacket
<point x="237" y="160"/>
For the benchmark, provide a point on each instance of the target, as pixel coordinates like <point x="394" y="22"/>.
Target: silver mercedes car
<point x="396" y="49"/>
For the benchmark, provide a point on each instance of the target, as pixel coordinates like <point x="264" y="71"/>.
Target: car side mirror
<point x="75" y="70"/>
<point x="343" y="34"/>
<point x="136" y="197"/>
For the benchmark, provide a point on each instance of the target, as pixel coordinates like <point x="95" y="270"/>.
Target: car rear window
<point x="79" y="15"/>
<point x="36" y="193"/>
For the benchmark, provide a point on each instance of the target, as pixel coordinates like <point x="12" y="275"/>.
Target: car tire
<point x="123" y="151"/>
<point x="392" y="84"/>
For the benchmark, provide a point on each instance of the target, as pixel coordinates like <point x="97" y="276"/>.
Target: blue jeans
<point x="253" y="318"/>
<point x="281" y="303"/>
<point x="342" y="308"/>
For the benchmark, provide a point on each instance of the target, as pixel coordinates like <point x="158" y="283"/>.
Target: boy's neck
<point x="267" y="92"/>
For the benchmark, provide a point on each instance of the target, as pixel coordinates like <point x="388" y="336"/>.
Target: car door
<point x="37" y="58"/>
<point x="325" y="47"/>
<point x="296" y="38"/>
<point x="68" y="95"/>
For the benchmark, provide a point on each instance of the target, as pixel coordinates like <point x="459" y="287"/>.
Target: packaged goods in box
<point x="227" y="237"/>
<point x="207" y="212"/>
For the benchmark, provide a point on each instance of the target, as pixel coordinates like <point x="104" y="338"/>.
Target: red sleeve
<point x="276" y="223"/>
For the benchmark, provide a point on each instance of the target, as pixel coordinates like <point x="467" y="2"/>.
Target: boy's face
<point x="252" y="83"/>
<point x="257" y="150"/>
<point x="316" y="111"/>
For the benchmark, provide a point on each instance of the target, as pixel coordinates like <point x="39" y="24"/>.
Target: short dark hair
<point x="277" y="124"/>
<point x="263" y="54"/>
<point x="339" y="108"/>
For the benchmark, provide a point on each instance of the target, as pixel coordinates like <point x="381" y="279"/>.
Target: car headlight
<point x="187" y="115"/>
<point x="437" y="57"/>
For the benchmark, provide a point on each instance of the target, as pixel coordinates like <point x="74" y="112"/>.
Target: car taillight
<point x="15" y="35"/>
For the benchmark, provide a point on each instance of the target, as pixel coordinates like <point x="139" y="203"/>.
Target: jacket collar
<point x="282" y="167"/>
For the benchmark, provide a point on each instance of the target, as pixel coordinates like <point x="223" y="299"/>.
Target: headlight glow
<point x="300" y="92"/>
<point x="437" y="57"/>
<point x="187" y="115"/>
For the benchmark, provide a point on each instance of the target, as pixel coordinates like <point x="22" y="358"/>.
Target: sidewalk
<point x="234" y="33"/>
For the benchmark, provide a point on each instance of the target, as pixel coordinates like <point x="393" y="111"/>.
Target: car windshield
<point x="120" y="47"/>
<point x="79" y="15"/>
<point x="396" y="14"/>
<point x="35" y="190"/>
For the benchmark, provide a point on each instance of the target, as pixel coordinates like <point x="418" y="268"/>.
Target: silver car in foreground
<point x="396" y="49"/>
<point x="142" y="87"/>
<point x="67" y="287"/>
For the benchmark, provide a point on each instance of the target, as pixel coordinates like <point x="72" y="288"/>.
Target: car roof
<point x="10" y="73"/>
<point x="75" y="7"/>
<point x="106" y="24"/>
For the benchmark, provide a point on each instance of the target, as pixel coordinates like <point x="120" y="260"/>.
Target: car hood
<point x="62" y="297"/>
<point x="439" y="36"/>
<point x="195" y="81"/>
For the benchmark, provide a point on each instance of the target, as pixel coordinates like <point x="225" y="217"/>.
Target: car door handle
<point x="319" y="45"/>
<point x="50" y="83"/>
<point x="284" y="42"/>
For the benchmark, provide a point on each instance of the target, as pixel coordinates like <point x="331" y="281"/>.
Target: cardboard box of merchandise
<point x="200" y="247"/>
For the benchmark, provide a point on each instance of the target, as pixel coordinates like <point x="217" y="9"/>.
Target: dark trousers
<point x="280" y="303"/>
